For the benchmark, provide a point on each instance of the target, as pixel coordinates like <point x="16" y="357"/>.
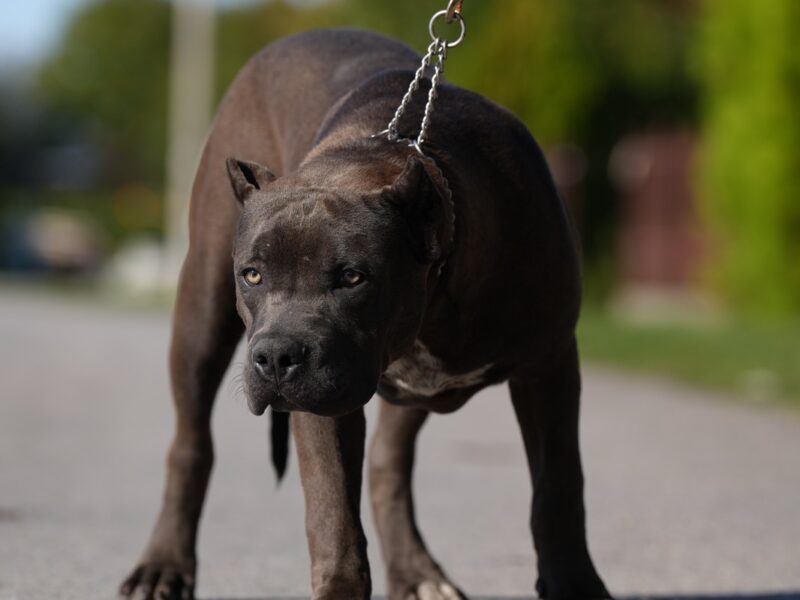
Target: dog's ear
<point x="247" y="177"/>
<point x="421" y="194"/>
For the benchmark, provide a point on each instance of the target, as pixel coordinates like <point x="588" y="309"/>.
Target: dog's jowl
<point x="358" y="266"/>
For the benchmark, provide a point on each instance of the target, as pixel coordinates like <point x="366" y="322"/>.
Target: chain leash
<point x="434" y="58"/>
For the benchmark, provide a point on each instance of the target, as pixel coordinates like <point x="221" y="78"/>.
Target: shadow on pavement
<point x="750" y="596"/>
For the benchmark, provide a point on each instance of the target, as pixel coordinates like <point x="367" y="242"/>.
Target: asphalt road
<point x="687" y="493"/>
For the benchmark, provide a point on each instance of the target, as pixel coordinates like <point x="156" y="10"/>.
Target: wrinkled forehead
<point x="312" y="225"/>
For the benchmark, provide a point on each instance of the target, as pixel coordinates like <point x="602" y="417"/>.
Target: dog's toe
<point x="429" y="590"/>
<point x="157" y="582"/>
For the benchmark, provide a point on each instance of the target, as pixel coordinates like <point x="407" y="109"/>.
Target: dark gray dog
<point x="359" y="266"/>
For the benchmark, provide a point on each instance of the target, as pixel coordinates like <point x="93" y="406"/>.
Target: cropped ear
<point x="247" y="177"/>
<point x="422" y="196"/>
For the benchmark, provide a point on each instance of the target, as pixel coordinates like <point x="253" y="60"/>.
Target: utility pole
<point x="191" y="98"/>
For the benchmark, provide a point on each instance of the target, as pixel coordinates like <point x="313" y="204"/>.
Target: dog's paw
<point x="429" y="590"/>
<point x="151" y="581"/>
<point x="587" y="586"/>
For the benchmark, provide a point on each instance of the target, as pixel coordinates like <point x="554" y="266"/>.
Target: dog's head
<point x="332" y="267"/>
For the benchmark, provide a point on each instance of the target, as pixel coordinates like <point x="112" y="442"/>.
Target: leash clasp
<point x="454" y="10"/>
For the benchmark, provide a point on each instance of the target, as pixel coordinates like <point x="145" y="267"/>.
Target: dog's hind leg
<point x="547" y="408"/>
<point x="205" y="333"/>
<point x="411" y="571"/>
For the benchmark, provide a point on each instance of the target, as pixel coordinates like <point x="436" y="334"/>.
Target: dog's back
<point x="300" y="78"/>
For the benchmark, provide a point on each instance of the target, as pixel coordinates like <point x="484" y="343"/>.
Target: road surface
<point x="687" y="493"/>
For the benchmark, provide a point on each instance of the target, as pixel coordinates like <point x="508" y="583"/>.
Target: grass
<point x="756" y="361"/>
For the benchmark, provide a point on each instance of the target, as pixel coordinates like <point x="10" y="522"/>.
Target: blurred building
<point x="662" y="244"/>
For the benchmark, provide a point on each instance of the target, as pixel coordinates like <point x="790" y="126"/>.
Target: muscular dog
<point x="357" y="266"/>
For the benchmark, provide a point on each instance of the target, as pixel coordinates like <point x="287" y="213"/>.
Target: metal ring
<point x="435" y="37"/>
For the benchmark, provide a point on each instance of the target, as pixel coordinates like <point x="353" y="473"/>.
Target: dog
<point x="360" y="265"/>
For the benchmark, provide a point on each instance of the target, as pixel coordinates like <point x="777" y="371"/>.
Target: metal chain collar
<point x="434" y="58"/>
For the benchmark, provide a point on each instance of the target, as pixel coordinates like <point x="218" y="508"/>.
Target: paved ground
<point x="687" y="494"/>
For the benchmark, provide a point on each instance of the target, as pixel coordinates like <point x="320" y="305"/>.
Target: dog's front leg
<point x="331" y="454"/>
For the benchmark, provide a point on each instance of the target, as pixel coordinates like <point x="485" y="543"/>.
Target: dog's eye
<point x="252" y="277"/>
<point x="352" y="278"/>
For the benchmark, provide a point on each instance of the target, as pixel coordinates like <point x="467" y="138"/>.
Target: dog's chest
<point x="423" y="374"/>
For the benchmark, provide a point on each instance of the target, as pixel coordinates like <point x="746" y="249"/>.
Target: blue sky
<point x="28" y="28"/>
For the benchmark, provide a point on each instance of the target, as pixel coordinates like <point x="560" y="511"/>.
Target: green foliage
<point x="555" y="63"/>
<point x="110" y="72"/>
<point x="751" y="65"/>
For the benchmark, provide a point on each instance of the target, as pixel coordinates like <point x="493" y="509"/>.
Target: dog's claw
<point x="428" y="590"/>
<point x="449" y="592"/>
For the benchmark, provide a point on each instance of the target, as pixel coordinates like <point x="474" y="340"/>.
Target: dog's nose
<point x="278" y="358"/>
<point x="287" y="355"/>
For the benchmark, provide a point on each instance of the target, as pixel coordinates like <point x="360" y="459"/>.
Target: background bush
<point x="750" y="66"/>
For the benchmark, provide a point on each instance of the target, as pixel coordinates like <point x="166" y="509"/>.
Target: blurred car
<point x="52" y="241"/>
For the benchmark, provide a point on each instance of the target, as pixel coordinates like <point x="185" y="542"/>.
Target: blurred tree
<point x="110" y="70"/>
<point x="751" y="178"/>
<point x="110" y="73"/>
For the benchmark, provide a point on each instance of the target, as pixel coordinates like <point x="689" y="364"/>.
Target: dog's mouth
<point x="257" y="406"/>
<point x="332" y="407"/>
<point x="258" y="394"/>
<point x="332" y="401"/>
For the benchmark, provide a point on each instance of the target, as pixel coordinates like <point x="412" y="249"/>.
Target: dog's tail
<point x="280" y="441"/>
